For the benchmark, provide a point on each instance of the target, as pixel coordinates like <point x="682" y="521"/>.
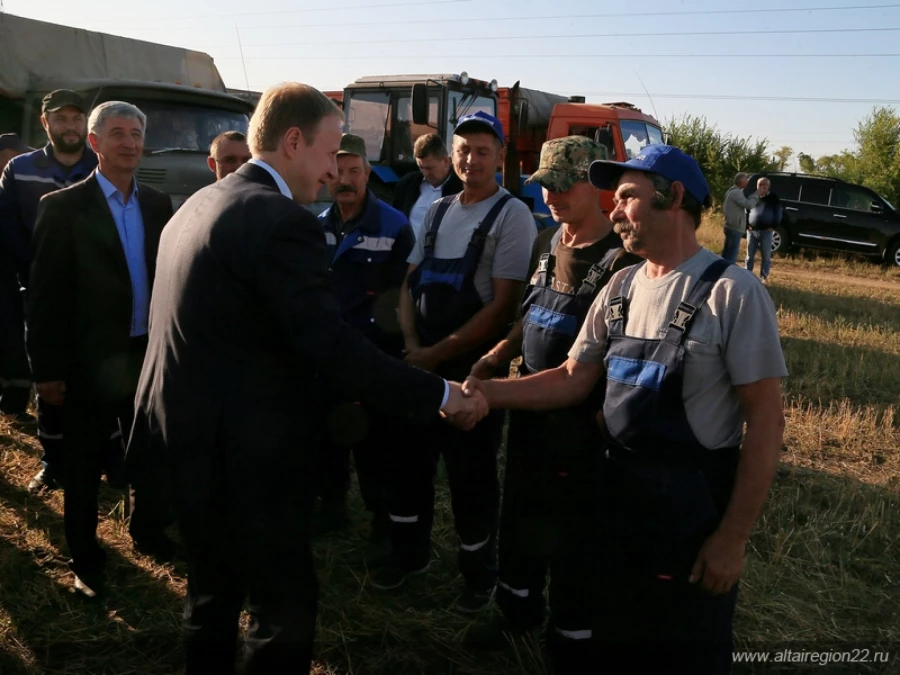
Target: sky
<point x="738" y="66"/>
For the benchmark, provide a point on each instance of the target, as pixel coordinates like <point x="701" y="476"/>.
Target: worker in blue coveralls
<point x="689" y="350"/>
<point x="368" y="242"/>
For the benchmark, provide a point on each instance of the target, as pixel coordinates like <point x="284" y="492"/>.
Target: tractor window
<point x="656" y="137"/>
<point x="368" y="116"/>
<point x="404" y="132"/>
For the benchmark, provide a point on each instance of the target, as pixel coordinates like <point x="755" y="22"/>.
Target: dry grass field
<point x="823" y="567"/>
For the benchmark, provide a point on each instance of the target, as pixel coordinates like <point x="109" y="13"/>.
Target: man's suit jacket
<point x="80" y="294"/>
<point x="408" y="190"/>
<point x="245" y="334"/>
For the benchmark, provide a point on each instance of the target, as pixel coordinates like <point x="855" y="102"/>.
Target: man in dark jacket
<point x="368" y="243"/>
<point x="65" y="160"/>
<point x="95" y="246"/>
<point x="762" y="219"/>
<point x="246" y="337"/>
<point x="435" y="178"/>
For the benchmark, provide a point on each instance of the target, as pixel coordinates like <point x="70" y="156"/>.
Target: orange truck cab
<point x="390" y="112"/>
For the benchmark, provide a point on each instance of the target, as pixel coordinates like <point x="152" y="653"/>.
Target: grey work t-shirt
<point x="733" y="340"/>
<point x="507" y="249"/>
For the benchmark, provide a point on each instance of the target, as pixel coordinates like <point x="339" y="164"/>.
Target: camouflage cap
<point x="565" y="161"/>
<point x="352" y="145"/>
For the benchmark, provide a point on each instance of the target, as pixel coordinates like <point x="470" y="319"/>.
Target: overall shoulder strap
<point x="617" y="314"/>
<point x="599" y="274"/>
<point x="686" y="311"/>
<point x="480" y="234"/>
<point x="439" y="213"/>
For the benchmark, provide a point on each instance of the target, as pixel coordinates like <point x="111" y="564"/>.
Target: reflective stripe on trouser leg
<point x="404" y="519"/>
<point x="474" y="547"/>
<point x="518" y="592"/>
<point x="584" y="634"/>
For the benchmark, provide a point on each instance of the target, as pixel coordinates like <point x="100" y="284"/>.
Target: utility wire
<point x="505" y="19"/>
<point x="567" y="36"/>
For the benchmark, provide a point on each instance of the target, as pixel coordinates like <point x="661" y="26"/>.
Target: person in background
<point x="762" y="220"/>
<point x="228" y="152"/>
<point x="418" y="190"/>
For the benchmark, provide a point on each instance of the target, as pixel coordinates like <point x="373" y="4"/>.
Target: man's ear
<point x="211" y="163"/>
<point x="676" y="195"/>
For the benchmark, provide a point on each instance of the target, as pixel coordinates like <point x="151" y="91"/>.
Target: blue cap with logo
<point x="480" y="121"/>
<point x="666" y="160"/>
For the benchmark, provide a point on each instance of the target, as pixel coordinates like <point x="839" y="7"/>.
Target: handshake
<point x="467" y="405"/>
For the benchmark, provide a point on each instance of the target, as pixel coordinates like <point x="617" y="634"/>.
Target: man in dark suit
<point x="94" y="247"/>
<point x="246" y="335"/>
<point x="435" y="178"/>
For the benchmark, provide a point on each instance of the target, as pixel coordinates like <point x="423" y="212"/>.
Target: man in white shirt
<point x="418" y="190"/>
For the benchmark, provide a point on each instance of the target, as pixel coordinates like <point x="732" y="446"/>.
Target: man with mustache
<point x="65" y="160"/>
<point x="368" y="243"/>
<point x="688" y="347"/>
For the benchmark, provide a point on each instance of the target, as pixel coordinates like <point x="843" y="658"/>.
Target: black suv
<point x="832" y="214"/>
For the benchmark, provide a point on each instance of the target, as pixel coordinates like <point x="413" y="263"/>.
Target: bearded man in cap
<point x="65" y="160"/>
<point x="549" y="490"/>
<point x="368" y="243"/>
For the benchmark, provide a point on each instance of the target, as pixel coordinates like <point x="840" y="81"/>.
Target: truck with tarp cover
<point x="180" y="90"/>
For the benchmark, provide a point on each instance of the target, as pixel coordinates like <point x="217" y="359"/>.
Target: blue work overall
<point x="446" y="298"/>
<point x="663" y="494"/>
<point x="550" y="485"/>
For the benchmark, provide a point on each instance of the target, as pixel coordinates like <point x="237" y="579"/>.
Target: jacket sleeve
<point x="51" y="296"/>
<point x="744" y="202"/>
<point x="12" y="231"/>
<point x="291" y="277"/>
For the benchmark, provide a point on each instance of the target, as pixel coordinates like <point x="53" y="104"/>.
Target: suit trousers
<point x="471" y="461"/>
<point x="248" y="541"/>
<point x="89" y="452"/>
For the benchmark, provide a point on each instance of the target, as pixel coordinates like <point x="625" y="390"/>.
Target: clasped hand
<point x="465" y="410"/>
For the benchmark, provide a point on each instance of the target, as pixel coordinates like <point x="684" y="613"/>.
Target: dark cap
<point x="13" y="142"/>
<point x="665" y="160"/>
<point x="480" y="121"/>
<point x="352" y="145"/>
<point x="60" y="98"/>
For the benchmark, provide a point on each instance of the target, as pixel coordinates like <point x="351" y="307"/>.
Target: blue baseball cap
<point x="480" y="121"/>
<point x="666" y="160"/>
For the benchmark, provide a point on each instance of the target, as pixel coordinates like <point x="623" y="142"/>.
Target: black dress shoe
<point x="44" y="479"/>
<point x="159" y="547"/>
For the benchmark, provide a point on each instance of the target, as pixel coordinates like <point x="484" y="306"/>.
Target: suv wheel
<point x="893" y="254"/>
<point x="781" y="240"/>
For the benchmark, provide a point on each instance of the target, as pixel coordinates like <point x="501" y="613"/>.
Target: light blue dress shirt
<point x="285" y="190"/>
<point x="130" y="225"/>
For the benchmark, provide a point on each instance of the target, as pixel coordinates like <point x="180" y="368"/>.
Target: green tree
<point x="807" y="163"/>
<point x="878" y="158"/>
<point x="720" y="155"/>
<point x="783" y="157"/>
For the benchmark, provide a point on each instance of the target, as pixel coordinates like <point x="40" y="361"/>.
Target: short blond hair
<point x="283" y="107"/>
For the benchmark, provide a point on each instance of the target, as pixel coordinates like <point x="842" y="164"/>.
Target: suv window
<point x="850" y="197"/>
<point x="786" y="187"/>
<point x="815" y="192"/>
